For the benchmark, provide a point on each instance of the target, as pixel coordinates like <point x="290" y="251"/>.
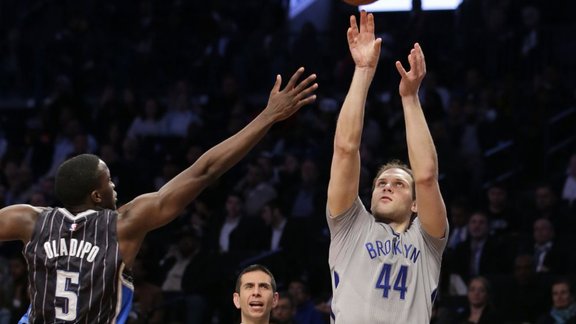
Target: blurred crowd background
<point x="150" y="85"/>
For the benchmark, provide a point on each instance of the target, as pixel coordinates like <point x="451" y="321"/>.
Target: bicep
<point x="431" y="209"/>
<point x="17" y="222"/>
<point x="344" y="181"/>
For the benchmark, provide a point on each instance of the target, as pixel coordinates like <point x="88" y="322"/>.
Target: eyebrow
<point x="260" y="284"/>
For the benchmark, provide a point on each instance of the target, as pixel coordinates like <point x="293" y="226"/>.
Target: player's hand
<point x="412" y="79"/>
<point x="364" y="47"/>
<point x="284" y="103"/>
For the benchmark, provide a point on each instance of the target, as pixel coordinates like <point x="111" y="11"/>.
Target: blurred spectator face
<point x="478" y="226"/>
<point x="256" y="297"/>
<point x="523" y="268"/>
<point x="17" y="268"/>
<point x="290" y="162"/>
<point x="561" y="296"/>
<point x="543" y="231"/>
<point x="38" y="199"/>
<point x="477" y="293"/>
<point x="297" y="290"/>
<point x="284" y="311"/>
<point x="266" y="215"/>
<point x="459" y="216"/>
<point x="233" y="205"/>
<point x="497" y="196"/>
<point x="308" y="171"/>
<point x="544" y="197"/>
<point x="572" y="166"/>
<point x="187" y="244"/>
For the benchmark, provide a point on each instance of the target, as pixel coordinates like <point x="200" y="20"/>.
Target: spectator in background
<point x="502" y="216"/>
<point x="148" y="121"/>
<point x="234" y="232"/>
<point x="546" y="204"/>
<point x="284" y="311"/>
<point x="520" y="297"/>
<point x="459" y="216"/>
<point x="256" y="190"/>
<point x="184" y="255"/>
<point x="563" y="309"/>
<point x="181" y="114"/>
<point x="550" y="255"/>
<point x="480" y="309"/>
<point x="480" y="254"/>
<point x="306" y="312"/>
<point x="569" y="189"/>
<point x="148" y="305"/>
<point x="18" y="298"/>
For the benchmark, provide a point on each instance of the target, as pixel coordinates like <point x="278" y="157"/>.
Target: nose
<point x="256" y="291"/>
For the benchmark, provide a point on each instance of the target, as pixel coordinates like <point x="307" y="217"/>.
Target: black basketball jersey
<point x="75" y="270"/>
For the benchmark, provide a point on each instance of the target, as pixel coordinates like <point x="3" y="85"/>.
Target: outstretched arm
<point x="345" y="169"/>
<point x="421" y="150"/>
<point x="150" y="211"/>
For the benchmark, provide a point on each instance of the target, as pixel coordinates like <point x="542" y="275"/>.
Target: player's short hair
<point x="76" y="178"/>
<point x="253" y="268"/>
<point x="395" y="164"/>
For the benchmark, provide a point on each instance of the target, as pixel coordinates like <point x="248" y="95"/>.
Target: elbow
<point x="427" y="178"/>
<point x="346" y="147"/>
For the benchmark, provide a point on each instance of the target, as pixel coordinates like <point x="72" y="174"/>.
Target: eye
<point x="399" y="184"/>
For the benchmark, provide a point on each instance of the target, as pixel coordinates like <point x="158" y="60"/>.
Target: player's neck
<point x="256" y="321"/>
<point x="400" y="227"/>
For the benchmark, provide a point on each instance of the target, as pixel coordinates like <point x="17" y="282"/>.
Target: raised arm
<point x="150" y="211"/>
<point x="345" y="169"/>
<point x="421" y="150"/>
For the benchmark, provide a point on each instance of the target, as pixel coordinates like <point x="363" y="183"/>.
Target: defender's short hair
<point x="76" y="178"/>
<point x="252" y="268"/>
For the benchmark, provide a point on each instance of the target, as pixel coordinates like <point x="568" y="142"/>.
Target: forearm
<point x="351" y="119"/>
<point x="421" y="149"/>
<point x="223" y="156"/>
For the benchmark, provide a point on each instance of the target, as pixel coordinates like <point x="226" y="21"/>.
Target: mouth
<point x="386" y="199"/>
<point x="256" y="306"/>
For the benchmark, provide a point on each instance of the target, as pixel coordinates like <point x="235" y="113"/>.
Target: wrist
<point x="410" y="98"/>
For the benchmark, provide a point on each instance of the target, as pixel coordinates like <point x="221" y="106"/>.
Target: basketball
<point x="359" y="2"/>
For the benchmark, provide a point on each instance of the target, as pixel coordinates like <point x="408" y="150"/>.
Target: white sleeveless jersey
<point x="378" y="275"/>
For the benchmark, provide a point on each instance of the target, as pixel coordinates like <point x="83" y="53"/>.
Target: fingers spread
<point x="294" y="78"/>
<point x="305" y="82"/>
<point x="400" y="69"/>
<point x="277" y="83"/>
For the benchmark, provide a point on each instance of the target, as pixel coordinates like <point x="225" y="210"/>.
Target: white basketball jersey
<point x="379" y="276"/>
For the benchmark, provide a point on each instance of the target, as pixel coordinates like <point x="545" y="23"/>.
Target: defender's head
<point x="84" y="180"/>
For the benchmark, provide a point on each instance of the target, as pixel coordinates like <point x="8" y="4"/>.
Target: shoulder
<point x="18" y="221"/>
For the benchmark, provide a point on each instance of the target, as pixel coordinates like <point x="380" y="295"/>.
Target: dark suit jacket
<point x="491" y="259"/>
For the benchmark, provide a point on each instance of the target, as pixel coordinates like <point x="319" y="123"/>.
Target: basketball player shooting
<point x="385" y="264"/>
<point x="77" y="255"/>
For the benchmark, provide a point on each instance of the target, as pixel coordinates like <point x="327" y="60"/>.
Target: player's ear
<point x="275" y="299"/>
<point x="414" y="208"/>
<point x="236" y="299"/>
<point x="96" y="197"/>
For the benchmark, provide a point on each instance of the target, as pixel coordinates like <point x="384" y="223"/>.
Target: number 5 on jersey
<point x="64" y="280"/>
<point x="399" y="282"/>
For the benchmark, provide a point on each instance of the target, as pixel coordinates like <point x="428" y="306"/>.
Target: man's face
<point x="478" y="226"/>
<point x="392" y="196"/>
<point x="561" y="297"/>
<point x="543" y="231"/>
<point x="284" y="311"/>
<point x="477" y="294"/>
<point x="106" y="187"/>
<point x="256" y="297"/>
